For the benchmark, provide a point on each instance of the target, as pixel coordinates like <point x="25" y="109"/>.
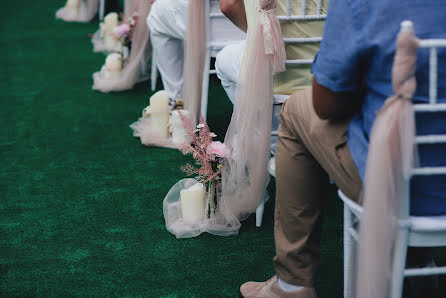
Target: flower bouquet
<point x="123" y="33"/>
<point x="209" y="157"/>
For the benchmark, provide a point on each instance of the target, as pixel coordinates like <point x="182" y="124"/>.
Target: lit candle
<point x="111" y="21"/>
<point x="113" y="66"/>
<point x="159" y="114"/>
<point x="72" y="8"/>
<point x="192" y="203"/>
<point x="176" y="128"/>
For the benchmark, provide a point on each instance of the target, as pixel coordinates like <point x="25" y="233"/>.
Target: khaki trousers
<point x="309" y="150"/>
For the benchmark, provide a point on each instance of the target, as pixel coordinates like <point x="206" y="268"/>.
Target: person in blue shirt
<point x="324" y="132"/>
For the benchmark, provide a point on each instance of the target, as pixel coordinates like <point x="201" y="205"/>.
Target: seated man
<point x="325" y="130"/>
<point x="167" y="24"/>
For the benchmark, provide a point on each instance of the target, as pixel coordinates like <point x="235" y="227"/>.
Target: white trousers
<point x="227" y="64"/>
<point x="167" y="24"/>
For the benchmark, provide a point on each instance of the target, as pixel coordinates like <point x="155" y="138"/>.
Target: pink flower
<point x="122" y="30"/>
<point x="217" y="149"/>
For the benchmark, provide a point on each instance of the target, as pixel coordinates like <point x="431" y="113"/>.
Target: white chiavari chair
<point x="415" y="231"/>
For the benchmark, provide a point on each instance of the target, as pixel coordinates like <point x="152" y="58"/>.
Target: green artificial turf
<point x="81" y="199"/>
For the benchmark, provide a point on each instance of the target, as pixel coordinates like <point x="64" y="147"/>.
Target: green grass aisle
<point x="81" y="199"/>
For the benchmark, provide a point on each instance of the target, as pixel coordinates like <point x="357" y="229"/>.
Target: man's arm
<point x="235" y="11"/>
<point x="335" y="105"/>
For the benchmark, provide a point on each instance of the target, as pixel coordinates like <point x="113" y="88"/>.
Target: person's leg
<point x="307" y="150"/>
<point x="227" y="65"/>
<point x="167" y="25"/>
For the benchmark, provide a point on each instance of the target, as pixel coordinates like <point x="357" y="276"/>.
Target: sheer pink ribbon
<point x="390" y="159"/>
<point x="249" y="133"/>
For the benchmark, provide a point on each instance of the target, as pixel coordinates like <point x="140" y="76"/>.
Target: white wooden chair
<point x="279" y="99"/>
<point x="220" y="32"/>
<point x="417" y="231"/>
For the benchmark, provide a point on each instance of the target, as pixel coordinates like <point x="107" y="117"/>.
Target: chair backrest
<point x="432" y="107"/>
<point x="307" y="13"/>
<point x="220" y="31"/>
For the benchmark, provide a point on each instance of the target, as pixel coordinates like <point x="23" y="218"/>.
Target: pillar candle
<point x="72" y="7"/>
<point x="111" y="20"/>
<point x="113" y="65"/>
<point x="193" y="203"/>
<point x="159" y="114"/>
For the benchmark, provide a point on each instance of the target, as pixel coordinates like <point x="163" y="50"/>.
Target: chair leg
<point x="260" y="209"/>
<point x="399" y="262"/>
<point x="101" y="9"/>
<point x="154" y="73"/>
<point x="349" y="254"/>
<point x="205" y="86"/>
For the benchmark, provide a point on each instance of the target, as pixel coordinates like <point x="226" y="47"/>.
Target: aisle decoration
<point x="244" y="174"/>
<point x="130" y="39"/>
<point x="159" y="126"/>
<point x="78" y="10"/>
<point x="114" y="35"/>
<point x="192" y="206"/>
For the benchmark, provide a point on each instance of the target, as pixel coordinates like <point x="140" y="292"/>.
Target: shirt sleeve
<point x="336" y="65"/>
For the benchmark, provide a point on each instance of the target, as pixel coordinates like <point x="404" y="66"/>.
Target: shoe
<point x="271" y="289"/>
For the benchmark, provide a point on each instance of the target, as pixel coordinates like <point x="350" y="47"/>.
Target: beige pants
<point x="309" y="150"/>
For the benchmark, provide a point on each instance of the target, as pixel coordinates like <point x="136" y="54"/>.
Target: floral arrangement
<point x="123" y="32"/>
<point x="209" y="157"/>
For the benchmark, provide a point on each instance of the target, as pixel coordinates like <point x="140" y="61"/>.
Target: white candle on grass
<point x="159" y="114"/>
<point x="192" y="203"/>
<point x="111" y="21"/>
<point x="72" y="7"/>
<point x="113" y="66"/>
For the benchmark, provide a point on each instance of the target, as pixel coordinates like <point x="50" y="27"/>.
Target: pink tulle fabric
<point x="87" y="11"/>
<point x="390" y="159"/>
<point x="131" y="73"/>
<point x="245" y="176"/>
<point x="248" y="136"/>
<point x="194" y="58"/>
<point x="141" y="129"/>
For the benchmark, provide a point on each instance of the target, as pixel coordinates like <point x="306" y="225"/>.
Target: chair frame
<point x="412" y="230"/>
<point x="101" y="9"/>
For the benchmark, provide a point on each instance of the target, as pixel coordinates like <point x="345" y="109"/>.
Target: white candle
<point x="159" y="114"/>
<point x="111" y="20"/>
<point x="113" y="65"/>
<point x="192" y="203"/>
<point x="176" y="128"/>
<point x="72" y="7"/>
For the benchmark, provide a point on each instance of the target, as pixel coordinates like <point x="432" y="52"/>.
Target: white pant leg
<point x="227" y="65"/>
<point x="167" y="23"/>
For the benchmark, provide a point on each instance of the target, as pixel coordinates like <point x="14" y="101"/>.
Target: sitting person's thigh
<point x="168" y="17"/>
<point x="227" y="64"/>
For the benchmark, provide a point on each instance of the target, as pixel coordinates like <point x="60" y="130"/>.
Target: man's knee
<point x="222" y="65"/>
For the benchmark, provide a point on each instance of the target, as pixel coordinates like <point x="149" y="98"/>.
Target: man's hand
<point x="235" y="11"/>
<point x="335" y="105"/>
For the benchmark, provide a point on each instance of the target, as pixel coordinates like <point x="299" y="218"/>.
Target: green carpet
<point x="81" y="199"/>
